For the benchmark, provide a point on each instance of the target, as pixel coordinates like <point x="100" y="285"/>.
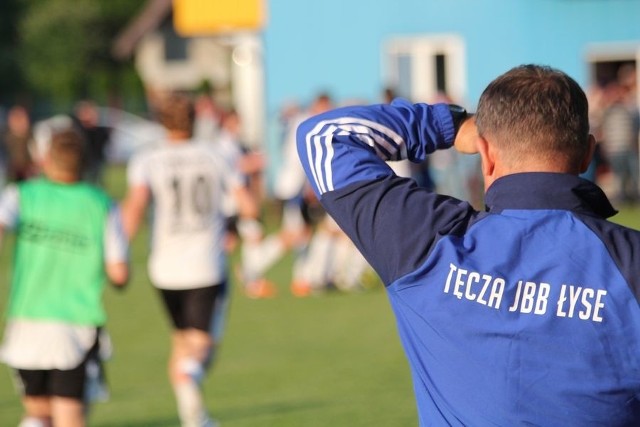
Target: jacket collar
<point x="544" y="190"/>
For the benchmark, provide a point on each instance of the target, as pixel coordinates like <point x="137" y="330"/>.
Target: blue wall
<point x="335" y="45"/>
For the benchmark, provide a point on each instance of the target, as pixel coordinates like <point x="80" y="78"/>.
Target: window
<point x="425" y="68"/>
<point x="608" y="62"/>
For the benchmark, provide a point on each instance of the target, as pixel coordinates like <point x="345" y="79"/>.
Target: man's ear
<point x="586" y="161"/>
<point x="487" y="155"/>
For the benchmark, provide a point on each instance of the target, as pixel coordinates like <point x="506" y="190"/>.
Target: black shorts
<point x="63" y="383"/>
<point x="231" y="224"/>
<point x="194" y="308"/>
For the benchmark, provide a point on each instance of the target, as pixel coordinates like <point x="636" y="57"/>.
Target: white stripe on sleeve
<point x="387" y="143"/>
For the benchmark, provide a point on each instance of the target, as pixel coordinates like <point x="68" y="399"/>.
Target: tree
<point x="65" y="47"/>
<point x="59" y="37"/>
<point x="11" y="82"/>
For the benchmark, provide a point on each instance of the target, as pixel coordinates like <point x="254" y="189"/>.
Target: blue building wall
<point x="335" y="45"/>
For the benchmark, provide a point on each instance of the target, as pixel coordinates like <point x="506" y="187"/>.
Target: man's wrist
<point x="458" y="114"/>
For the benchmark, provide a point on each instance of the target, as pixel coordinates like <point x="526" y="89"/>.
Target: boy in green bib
<point x="69" y="243"/>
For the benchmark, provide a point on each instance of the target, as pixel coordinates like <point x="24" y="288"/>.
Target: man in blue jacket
<point x="524" y="314"/>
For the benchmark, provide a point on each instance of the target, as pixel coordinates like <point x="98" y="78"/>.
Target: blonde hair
<point x="67" y="151"/>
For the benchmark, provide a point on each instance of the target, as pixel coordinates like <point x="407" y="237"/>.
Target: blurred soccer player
<point x="69" y="241"/>
<point x="187" y="262"/>
<point x="301" y="212"/>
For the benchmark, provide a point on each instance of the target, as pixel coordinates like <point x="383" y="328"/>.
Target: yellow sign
<point x="201" y="17"/>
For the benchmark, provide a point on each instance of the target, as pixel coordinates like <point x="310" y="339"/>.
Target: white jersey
<point x="229" y="149"/>
<point x="187" y="182"/>
<point x="290" y="179"/>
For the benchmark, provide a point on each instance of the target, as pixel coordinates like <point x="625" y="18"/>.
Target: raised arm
<point x="393" y="222"/>
<point x="350" y="144"/>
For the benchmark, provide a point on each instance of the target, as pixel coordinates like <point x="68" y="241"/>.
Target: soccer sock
<point x="190" y="404"/>
<point x="315" y="267"/>
<point x="258" y="257"/>
<point x="350" y="267"/>
<point x="34" y="422"/>
<point x="189" y="399"/>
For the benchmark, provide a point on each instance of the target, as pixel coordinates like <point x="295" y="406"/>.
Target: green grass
<point x="332" y="360"/>
<point x="328" y="360"/>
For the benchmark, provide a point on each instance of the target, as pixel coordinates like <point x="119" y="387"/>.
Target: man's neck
<point x="532" y="166"/>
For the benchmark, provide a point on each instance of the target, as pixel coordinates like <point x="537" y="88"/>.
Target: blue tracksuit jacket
<point x="526" y="314"/>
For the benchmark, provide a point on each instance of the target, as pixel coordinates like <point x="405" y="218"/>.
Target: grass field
<point x="330" y="360"/>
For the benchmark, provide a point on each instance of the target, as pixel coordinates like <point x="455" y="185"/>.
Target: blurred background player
<point x="187" y="262"/>
<point x="300" y="213"/>
<point x="69" y="241"/>
<point x="97" y="138"/>
<point x="15" y="143"/>
<point x="249" y="164"/>
<point x="619" y="130"/>
<point x="208" y="117"/>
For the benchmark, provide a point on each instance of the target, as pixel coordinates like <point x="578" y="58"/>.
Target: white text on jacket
<point x="530" y="297"/>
